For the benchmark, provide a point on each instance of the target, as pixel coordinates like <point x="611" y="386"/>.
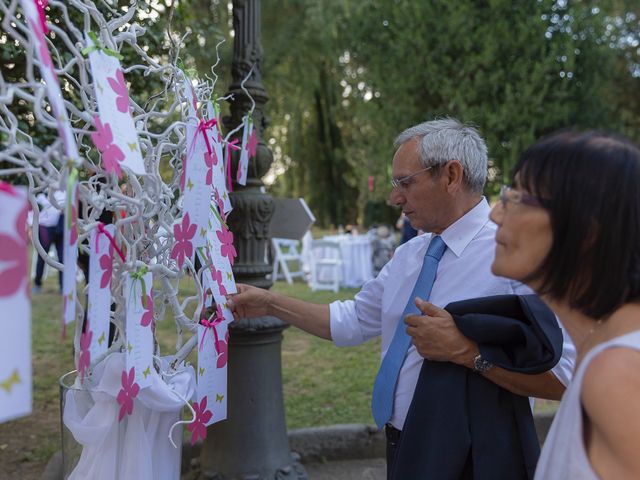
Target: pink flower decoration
<point x="222" y="347"/>
<point x="252" y="144"/>
<point x="111" y="154"/>
<point x="127" y="393"/>
<point x="219" y="203"/>
<point x="14" y="255"/>
<point x="183" y="235"/>
<point x="21" y="224"/>
<point x="240" y="172"/>
<point x="147" y="317"/>
<point x="85" y="355"/>
<point x="211" y="160"/>
<point x="217" y="276"/>
<point x="73" y="235"/>
<point x="106" y="264"/>
<point x="198" y="427"/>
<point x="226" y="249"/>
<point x="119" y="87"/>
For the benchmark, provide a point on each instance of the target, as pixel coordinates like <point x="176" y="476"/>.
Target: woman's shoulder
<point x="611" y="380"/>
<point x="609" y="393"/>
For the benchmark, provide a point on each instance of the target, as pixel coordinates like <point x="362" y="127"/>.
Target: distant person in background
<point x="407" y="232"/>
<point x="50" y="232"/>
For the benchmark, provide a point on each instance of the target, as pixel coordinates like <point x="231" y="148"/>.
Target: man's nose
<point x="395" y="197"/>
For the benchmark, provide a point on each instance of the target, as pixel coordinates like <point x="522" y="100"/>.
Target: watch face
<point x="481" y="365"/>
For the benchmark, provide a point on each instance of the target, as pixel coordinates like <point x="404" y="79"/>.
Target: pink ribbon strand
<point x="112" y="240"/>
<point x="210" y="324"/>
<point x="7" y="188"/>
<point x="41" y="5"/>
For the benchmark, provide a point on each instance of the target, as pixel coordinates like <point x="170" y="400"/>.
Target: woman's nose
<point x="497" y="213"/>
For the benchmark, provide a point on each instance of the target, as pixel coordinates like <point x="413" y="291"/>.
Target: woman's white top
<point x="564" y="455"/>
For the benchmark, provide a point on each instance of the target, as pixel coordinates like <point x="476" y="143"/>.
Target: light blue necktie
<point x="385" y="385"/>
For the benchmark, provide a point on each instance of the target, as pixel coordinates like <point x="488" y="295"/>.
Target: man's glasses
<point x="508" y="194"/>
<point x="404" y="182"/>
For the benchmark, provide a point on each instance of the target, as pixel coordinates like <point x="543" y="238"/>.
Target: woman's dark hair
<point x="590" y="184"/>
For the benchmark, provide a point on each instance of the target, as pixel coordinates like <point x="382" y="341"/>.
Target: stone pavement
<point x="369" y="469"/>
<point x="335" y="452"/>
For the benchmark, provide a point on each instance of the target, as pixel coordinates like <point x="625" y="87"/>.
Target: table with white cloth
<point x="357" y="258"/>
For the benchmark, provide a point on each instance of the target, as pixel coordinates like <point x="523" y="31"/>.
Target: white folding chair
<point x="287" y="251"/>
<point x="326" y="266"/>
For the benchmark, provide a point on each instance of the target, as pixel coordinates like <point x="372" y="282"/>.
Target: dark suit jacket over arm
<point x="461" y="425"/>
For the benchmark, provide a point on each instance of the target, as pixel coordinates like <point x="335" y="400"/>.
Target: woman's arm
<point x="611" y="401"/>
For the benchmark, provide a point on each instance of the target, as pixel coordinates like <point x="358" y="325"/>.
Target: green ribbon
<point x="215" y="212"/>
<point x="99" y="47"/>
<point x="189" y="72"/>
<point x="139" y="275"/>
<point x="72" y="180"/>
<point x="216" y="107"/>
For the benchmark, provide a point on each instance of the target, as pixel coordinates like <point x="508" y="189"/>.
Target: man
<point x="439" y="171"/>
<point x="50" y="232"/>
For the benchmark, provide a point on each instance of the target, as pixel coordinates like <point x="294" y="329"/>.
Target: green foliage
<point x="344" y="78"/>
<point x="518" y="70"/>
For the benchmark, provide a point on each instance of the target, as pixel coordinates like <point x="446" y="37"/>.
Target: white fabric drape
<point x="138" y="447"/>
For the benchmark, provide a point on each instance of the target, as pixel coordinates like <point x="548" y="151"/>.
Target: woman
<point x="570" y="229"/>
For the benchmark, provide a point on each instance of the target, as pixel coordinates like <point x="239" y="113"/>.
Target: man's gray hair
<point x="449" y="139"/>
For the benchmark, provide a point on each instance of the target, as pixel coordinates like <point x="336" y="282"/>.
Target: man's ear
<point x="454" y="174"/>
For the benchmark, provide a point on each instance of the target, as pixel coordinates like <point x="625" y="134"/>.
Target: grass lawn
<point x="323" y="384"/>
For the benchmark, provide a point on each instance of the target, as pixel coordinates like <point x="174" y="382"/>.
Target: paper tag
<point x="115" y="136"/>
<point x="212" y="370"/>
<point x="221" y="195"/>
<point x="139" y="333"/>
<point x="222" y="252"/>
<point x="70" y="255"/>
<point x="196" y="198"/>
<point x="100" y="273"/>
<point x="243" y="165"/>
<point x="15" y="304"/>
<point x="51" y="81"/>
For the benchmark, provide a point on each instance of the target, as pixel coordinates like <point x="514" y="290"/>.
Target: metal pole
<point x="252" y="444"/>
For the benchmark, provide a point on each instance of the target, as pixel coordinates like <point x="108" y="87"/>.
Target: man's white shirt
<point x="463" y="272"/>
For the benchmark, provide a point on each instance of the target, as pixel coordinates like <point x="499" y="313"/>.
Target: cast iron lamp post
<point x="252" y="443"/>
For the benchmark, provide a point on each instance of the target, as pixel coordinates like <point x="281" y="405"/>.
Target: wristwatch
<point x="480" y="365"/>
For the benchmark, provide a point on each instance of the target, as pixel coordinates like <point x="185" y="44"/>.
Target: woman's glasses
<point x="508" y="194"/>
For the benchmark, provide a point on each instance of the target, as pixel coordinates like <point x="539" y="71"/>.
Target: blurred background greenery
<point x="346" y="76"/>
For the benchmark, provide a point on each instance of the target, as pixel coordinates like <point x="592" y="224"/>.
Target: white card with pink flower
<point x="38" y="29"/>
<point x="15" y="305"/>
<point x="217" y="164"/>
<point x="221" y="254"/>
<point x="243" y="164"/>
<point x="96" y="335"/>
<point x="115" y="136"/>
<point x="138" y="297"/>
<point x="70" y="250"/>
<point x="213" y="355"/>
<point x="249" y="149"/>
<point x="196" y="195"/>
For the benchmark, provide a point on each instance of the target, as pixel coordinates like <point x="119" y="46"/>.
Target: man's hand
<point x="437" y="338"/>
<point x="249" y="302"/>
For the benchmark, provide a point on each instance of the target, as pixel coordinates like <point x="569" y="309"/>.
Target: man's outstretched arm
<point x="251" y="302"/>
